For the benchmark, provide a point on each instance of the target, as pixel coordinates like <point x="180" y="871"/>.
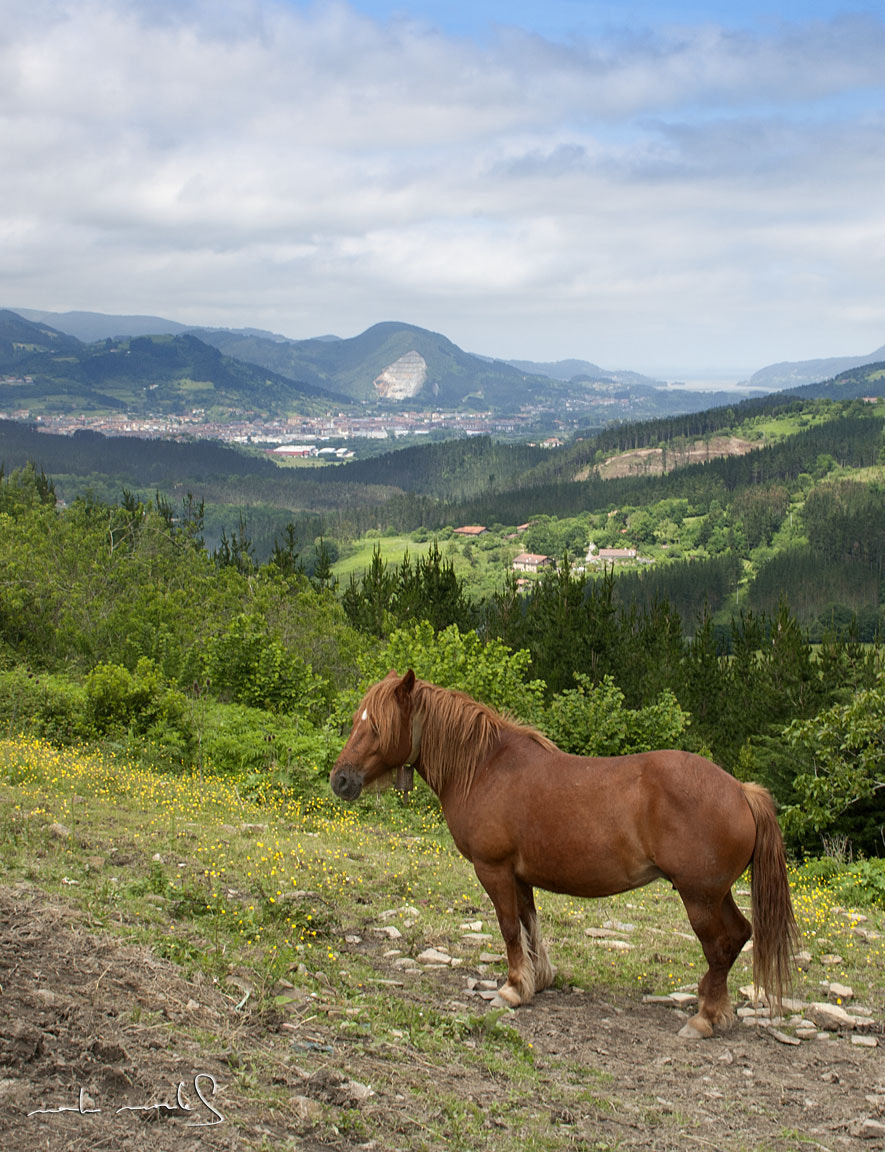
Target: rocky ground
<point x="104" y="1046"/>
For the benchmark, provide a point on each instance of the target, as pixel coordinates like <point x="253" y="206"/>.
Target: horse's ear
<point x="403" y="690"/>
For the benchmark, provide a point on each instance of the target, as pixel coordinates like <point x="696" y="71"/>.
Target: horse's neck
<point x="454" y="753"/>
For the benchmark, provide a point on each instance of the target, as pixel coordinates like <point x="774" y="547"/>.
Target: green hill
<point x="44" y="371"/>
<point x="394" y="363"/>
<point x="21" y="339"/>
<point x="441" y="372"/>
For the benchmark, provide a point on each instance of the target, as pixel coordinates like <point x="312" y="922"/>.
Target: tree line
<point x="116" y="622"/>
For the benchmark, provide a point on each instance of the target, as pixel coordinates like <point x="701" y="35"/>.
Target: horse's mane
<point x="457" y="732"/>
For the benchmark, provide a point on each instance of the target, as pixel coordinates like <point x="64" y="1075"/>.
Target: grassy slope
<point x="289" y="900"/>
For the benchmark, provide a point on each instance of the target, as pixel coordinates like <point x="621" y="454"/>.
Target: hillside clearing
<point x="157" y="929"/>
<point x="657" y="461"/>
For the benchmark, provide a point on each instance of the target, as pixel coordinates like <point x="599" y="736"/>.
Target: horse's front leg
<point x="501" y="885"/>
<point x="544" y="971"/>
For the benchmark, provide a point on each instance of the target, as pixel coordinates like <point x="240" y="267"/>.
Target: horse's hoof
<point x="509" y="996"/>
<point x="697" y="1028"/>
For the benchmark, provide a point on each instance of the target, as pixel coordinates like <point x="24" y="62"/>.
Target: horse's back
<point x="594" y="826"/>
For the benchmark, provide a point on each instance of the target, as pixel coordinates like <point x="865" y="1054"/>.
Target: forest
<point x="183" y="600"/>
<point x="119" y="626"/>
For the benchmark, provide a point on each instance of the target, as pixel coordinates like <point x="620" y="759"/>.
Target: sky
<point x="688" y="189"/>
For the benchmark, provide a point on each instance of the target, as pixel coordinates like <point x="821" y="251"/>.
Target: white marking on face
<point x="365" y="715"/>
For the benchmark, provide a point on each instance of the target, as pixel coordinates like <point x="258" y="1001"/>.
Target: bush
<point x="591" y="720"/>
<point x="856" y="882"/>
<point x="246" y="664"/>
<point x="50" y="706"/>
<point x="139" y="706"/>
<point x="490" y="672"/>
<point x="266" y="748"/>
<point x="840" y="757"/>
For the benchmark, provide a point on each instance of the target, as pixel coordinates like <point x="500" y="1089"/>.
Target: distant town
<point x="295" y="436"/>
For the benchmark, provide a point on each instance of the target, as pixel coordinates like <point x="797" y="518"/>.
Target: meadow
<point x="310" y="915"/>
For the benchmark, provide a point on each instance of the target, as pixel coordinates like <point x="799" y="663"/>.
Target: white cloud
<point x="690" y="196"/>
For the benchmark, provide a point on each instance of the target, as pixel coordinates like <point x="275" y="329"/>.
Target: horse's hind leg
<point x="528" y="916"/>
<point x="501" y="885"/>
<point x="722" y="930"/>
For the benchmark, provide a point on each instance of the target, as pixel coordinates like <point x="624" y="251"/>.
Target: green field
<point x="293" y="928"/>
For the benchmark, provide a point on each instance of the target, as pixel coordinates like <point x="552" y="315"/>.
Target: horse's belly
<point x="587" y="877"/>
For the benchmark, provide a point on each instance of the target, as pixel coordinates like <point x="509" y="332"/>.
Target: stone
<point x="862" y="1041"/>
<point x="830" y="1017"/>
<point x="359" y="1091"/>
<point x="695" y="1029"/>
<point x="866" y="934"/>
<point x="783" y="1037"/>
<point x="868" y="1130"/>
<point x="59" y="831"/>
<point x="307" y="1111"/>
<point x="683" y="999"/>
<point x="434" y="956"/>
<point x="840" y="993"/>
<point x="389" y="931"/>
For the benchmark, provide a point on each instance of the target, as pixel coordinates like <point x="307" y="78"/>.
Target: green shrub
<point x="266" y="747"/>
<point x="840" y="771"/>
<point x="591" y="720"/>
<point x="139" y="706"/>
<point x="856" y="882"/>
<point x="248" y="665"/>
<point x="51" y="706"/>
<point x="490" y="671"/>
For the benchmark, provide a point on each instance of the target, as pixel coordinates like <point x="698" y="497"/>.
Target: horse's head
<point x="383" y="738"/>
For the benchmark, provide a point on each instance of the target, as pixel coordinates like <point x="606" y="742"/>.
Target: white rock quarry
<point x="402" y="379"/>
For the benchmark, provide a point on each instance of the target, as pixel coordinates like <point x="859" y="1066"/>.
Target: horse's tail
<point x="775" y="935"/>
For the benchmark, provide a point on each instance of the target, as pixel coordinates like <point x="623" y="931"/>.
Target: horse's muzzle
<point x="346" y="783"/>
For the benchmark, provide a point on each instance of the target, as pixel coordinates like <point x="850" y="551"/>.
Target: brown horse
<point x="528" y="815"/>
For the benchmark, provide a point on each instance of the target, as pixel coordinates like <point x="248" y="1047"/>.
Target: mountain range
<point x="88" y="361"/>
<point x="795" y="374"/>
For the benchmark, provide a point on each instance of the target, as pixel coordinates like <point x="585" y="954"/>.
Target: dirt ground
<point x="653" y="462"/>
<point x="96" y="1036"/>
